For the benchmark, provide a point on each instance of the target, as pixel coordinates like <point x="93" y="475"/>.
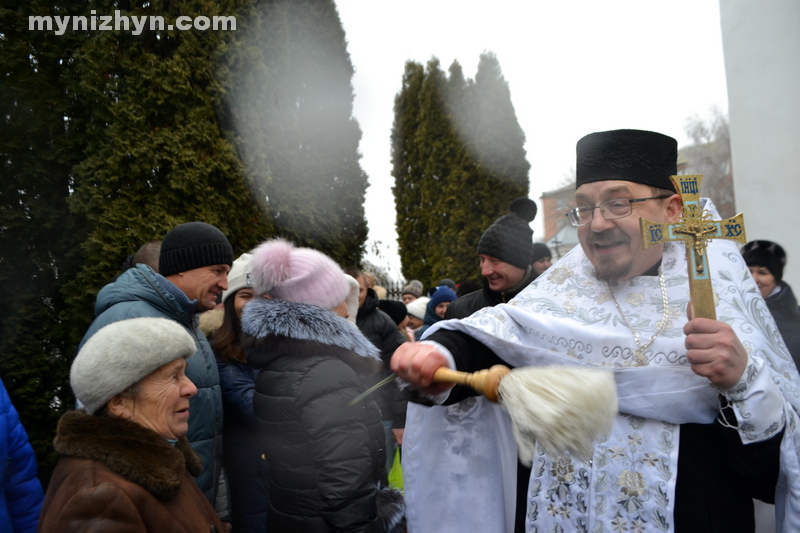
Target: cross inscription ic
<point x="695" y="229"/>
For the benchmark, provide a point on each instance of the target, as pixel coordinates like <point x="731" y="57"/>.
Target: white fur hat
<point x="239" y="277"/>
<point x="352" y="298"/>
<point x="416" y="308"/>
<point x="301" y="275"/>
<point x="122" y="353"/>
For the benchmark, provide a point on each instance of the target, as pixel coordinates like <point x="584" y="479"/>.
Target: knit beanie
<point x="396" y="310"/>
<point x="510" y="238"/>
<point x="765" y="254"/>
<point x="417" y="307"/>
<point x="123" y="353"/>
<point x="239" y="277"/>
<point x="300" y="275"/>
<point x="193" y="245"/>
<point x="442" y="294"/>
<point x="540" y="251"/>
<point x="413" y="290"/>
<point x="447" y="282"/>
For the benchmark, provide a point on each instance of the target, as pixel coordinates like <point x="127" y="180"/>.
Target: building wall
<point x="761" y="45"/>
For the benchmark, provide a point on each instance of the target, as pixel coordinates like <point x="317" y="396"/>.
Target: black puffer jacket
<point x="783" y="306"/>
<point x="381" y="331"/>
<point x="325" y="457"/>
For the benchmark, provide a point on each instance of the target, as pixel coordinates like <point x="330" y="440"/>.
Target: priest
<point x="708" y="409"/>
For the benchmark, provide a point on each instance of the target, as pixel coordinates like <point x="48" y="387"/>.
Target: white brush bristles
<point x="560" y="408"/>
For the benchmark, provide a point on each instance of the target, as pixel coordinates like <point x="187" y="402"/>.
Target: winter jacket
<point x="141" y="292"/>
<point x="783" y="306"/>
<point x="245" y="466"/>
<point x="20" y="493"/>
<point x="382" y="331"/>
<point x="464" y="306"/>
<point x="115" y="475"/>
<point x="325" y="456"/>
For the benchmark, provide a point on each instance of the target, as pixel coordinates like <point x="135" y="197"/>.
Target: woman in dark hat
<point x="766" y="261"/>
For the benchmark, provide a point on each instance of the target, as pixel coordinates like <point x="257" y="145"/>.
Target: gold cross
<point x="695" y="229"/>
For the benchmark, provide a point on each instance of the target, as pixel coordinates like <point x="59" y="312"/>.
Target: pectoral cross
<point x="695" y="229"/>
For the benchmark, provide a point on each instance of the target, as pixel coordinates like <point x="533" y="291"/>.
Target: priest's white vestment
<point x="459" y="461"/>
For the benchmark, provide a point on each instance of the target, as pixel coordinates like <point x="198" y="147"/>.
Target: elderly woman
<point x="326" y="457"/>
<point x="125" y="464"/>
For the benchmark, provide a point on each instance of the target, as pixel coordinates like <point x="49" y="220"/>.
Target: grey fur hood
<point x="263" y="317"/>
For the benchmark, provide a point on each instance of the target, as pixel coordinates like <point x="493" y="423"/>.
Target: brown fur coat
<point x="115" y="475"/>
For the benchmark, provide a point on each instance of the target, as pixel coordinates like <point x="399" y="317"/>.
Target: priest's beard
<point x="606" y="268"/>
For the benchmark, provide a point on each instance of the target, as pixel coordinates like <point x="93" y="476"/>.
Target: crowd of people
<point x="223" y="393"/>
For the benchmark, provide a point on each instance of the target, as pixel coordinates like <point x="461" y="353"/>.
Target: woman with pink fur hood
<point x="326" y="458"/>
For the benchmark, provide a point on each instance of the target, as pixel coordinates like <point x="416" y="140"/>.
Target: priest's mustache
<point x="609" y="236"/>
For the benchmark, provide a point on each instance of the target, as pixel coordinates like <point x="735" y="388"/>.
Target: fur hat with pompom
<point x="300" y="275"/>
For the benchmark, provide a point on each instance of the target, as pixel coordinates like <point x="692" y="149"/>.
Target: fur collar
<point x="130" y="450"/>
<point x="305" y="322"/>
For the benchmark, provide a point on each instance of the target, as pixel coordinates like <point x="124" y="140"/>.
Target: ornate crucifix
<point x="695" y="229"/>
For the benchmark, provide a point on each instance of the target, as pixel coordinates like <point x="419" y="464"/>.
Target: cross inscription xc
<point x="695" y="229"/>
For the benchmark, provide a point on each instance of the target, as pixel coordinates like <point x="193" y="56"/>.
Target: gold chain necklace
<point x="638" y="355"/>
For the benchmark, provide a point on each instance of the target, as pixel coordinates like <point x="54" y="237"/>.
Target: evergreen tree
<point x="289" y="105"/>
<point x="155" y="154"/>
<point x="39" y="236"/>
<point x="458" y="146"/>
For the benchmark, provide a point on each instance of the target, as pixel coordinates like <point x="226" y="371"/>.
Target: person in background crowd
<point x="466" y="287"/>
<point x="245" y="468"/>
<point x="541" y="259"/>
<point x="437" y="307"/>
<point x="505" y="251"/>
<point x="399" y="313"/>
<point x="416" y="314"/>
<point x="766" y="261"/>
<point x="326" y="458"/>
<point x="125" y="461"/>
<point x="411" y="292"/>
<point x="382" y="331"/>
<point x="194" y="261"/>
<point x="21" y="493"/>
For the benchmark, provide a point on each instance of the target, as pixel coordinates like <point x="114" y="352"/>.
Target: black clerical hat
<point x="628" y="155"/>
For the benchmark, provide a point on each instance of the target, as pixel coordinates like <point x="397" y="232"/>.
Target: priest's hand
<point x="416" y="363"/>
<point x="714" y="351"/>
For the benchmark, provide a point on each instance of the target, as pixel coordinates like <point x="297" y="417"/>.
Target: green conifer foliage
<point x="458" y="162"/>
<point x="289" y="105"/>
<point x="38" y="234"/>
<point x="155" y="155"/>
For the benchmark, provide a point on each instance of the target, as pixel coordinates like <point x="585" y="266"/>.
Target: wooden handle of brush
<point x="484" y="381"/>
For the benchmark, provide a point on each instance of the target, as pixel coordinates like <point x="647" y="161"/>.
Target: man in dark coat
<point x="505" y="250"/>
<point x="194" y="263"/>
<point x="381" y="331"/>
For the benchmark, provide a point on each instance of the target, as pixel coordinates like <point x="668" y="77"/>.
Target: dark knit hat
<point x="628" y="155"/>
<point x="393" y="308"/>
<point x="193" y="245"/>
<point x="510" y="238"/>
<point x="540" y="251"/>
<point x="447" y="282"/>
<point x="765" y="254"/>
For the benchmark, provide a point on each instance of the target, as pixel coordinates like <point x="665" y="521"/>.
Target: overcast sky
<point x="573" y="67"/>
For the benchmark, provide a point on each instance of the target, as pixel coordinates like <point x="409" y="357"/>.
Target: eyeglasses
<point x="611" y="209"/>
